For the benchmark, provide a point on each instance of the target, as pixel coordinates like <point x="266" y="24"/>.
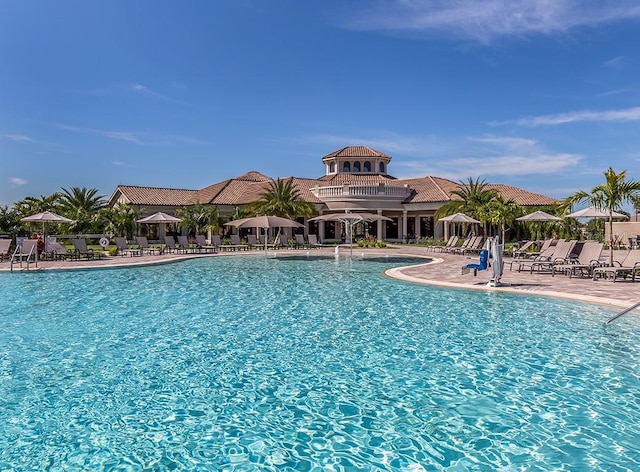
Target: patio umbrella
<point x="265" y="222"/>
<point x="592" y="212"/>
<point x="458" y="218"/>
<point x="46" y="217"/>
<point x="159" y="217"/>
<point x="495" y="250"/>
<point x="539" y="216"/>
<point x="350" y="220"/>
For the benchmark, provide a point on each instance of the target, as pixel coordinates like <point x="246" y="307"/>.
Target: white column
<point x="404" y="226"/>
<point x="380" y="235"/>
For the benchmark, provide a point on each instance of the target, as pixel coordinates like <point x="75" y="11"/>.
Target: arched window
<point x="382" y="167"/>
<point x="346" y="167"/>
<point x="367" y="166"/>
<point x="332" y="167"/>
<point x="356" y="166"/>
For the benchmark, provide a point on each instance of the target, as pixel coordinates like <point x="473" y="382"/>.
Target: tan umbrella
<point x="265" y="222"/>
<point x="458" y="218"/>
<point x="46" y="217"/>
<point x="592" y="212"/>
<point x="350" y="220"/>
<point x="159" y="217"/>
<point x="539" y="216"/>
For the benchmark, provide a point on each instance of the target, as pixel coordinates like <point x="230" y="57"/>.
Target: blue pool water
<point x="247" y="363"/>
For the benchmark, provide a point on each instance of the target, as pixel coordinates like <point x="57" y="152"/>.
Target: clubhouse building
<point x="356" y="178"/>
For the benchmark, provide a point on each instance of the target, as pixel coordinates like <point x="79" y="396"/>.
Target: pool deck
<point x="445" y="270"/>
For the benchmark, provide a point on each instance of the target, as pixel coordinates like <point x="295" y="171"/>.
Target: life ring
<point x="104" y="242"/>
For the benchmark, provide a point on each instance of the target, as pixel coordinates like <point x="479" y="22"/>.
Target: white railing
<point x="361" y="190"/>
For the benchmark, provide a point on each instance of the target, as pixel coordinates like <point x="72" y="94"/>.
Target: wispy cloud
<point x="17" y="181"/>
<point x="492" y="156"/>
<point x="458" y="158"/>
<point x="628" y="114"/>
<point x="20" y="138"/>
<point x="487" y="20"/>
<point x="144" y="90"/>
<point x="117" y="135"/>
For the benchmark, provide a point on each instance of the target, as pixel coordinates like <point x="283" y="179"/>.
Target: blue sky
<point x="538" y="94"/>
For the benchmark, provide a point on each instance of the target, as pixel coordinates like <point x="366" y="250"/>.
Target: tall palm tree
<point x="282" y="198"/>
<point x="120" y="220"/>
<point x="609" y="196"/>
<point x="501" y="213"/>
<point x="30" y="205"/>
<point x="472" y="197"/>
<point x="82" y="206"/>
<point x="199" y="218"/>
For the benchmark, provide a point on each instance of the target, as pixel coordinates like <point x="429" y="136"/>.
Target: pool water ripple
<point x="247" y="363"/>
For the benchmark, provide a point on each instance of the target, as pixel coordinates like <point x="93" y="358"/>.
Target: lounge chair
<point x="301" y="243"/>
<point x="465" y="244"/>
<point x="587" y="260"/>
<point x="452" y="242"/>
<point x="252" y="241"/>
<point x="482" y="264"/>
<point x="26" y="251"/>
<point x="475" y="246"/>
<point x="81" y="249"/>
<point x="313" y="241"/>
<point x="184" y="243"/>
<point x="561" y="255"/>
<point x="145" y="248"/>
<point x="630" y="265"/>
<point x="58" y="251"/>
<point x="522" y="251"/>
<point x="4" y="249"/>
<point x="171" y="246"/>
<point x="124" y="249"/>
<point x="283" y="242"/>
<point x="215" y="241"/>
<point x="203" y="246"/>
<point x="237" y="244"/>
<point x="545" y="255"/>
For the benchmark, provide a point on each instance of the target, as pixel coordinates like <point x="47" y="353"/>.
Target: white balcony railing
<point x="379" y="190"/>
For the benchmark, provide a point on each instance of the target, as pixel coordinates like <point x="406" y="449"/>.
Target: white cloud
<point x="21" y="138"/>
<point x="487" y="20"/>
<point x="118" y="135"/>
<point x="17" y="181"/>
<point x="490" y="156"/>
<point x="143" y="90"/>
<point x="629" y="114"/>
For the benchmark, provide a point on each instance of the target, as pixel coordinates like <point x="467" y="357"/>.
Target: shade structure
<point x="350" y="219"/>
<point x="539" y="216"/>
<point x="265" y="222"/>
<point x="159" y="217"/>
<point x="46" y="217"/>
<point x="458" y="218"/>
<point x="593" y="212"/>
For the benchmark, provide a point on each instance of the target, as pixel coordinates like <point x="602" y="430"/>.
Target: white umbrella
<point x="159" y="217"/>
<point x="265" y="222"/>
<point x="46" y="217"/>
<point x="497" y="265"/>
<point x="593" y="212"/>
<point x="539" y="216"/>
<point x="350" y="220"/>
<point x="458" y="218"/>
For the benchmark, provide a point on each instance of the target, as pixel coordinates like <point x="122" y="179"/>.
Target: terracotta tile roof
<point x="356" y="151"/>
<point x="429" y="189"/>
<point x="521" y="196"/>
<point x="207" y="194"/>
<point x="254" y="176"/>
<point x="151" y="195"/>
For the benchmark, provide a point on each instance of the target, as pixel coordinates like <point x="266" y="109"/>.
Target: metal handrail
<point x="615" y="317"/>
<point x="18" y="251"/>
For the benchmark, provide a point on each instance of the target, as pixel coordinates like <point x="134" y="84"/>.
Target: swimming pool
<point x="249" y="363"/>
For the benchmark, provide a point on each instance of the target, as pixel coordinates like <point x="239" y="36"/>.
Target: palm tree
<point x="30" y="205"/>
<point x="501" y="213"/>
<point x="609" y="196"/>
<point x="199" y="218"/>
<point x="120" y="220"/>
<point x="82" y="206"/>
<point x="282" y="199"/>
<point x="472" y="197"/>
